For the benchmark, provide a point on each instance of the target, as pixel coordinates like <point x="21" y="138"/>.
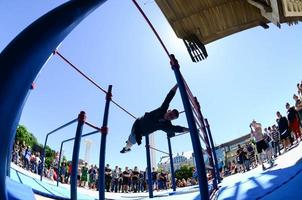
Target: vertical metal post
<point x="59" y="163"/>
<point x="201" y="171"/>
<point x="208" y="146"/>
<point x="104" y="131"/>
<point x="213" y="149"/>
<point x="17" y="75"/>
<point x="171" y="164"/>
<point x="75" y="156"/>
<point x="43" y="157"/>
<point x="150" y="185"/>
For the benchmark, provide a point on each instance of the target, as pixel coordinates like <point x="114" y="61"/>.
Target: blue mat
<point x="18" y="191"/>
<point x="255" y="185"/>
<point x="44" y="188"/>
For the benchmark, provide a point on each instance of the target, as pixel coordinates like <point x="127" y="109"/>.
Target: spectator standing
<point x="84" y="175"/>
<point x="92" y="177"/>
<point x="154" y="179"/>
<point x="283" y="130"/>
<point x="276" y="140"/>
<point x="115" y="179"/>
<point x="120" y="179"/>
<point x="108" y="177"/>
<point x="298" y="106"/>
<point x="126" y="180"/>
<point x="135" y="179"/>
<point x="294" y="123"/>
<point x="261" y="145"/>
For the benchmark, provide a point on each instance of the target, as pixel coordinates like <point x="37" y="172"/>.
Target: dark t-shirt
<point x="125" y="175"/>
<point x="135" y="175"/>
<point x="162" y="176"/>
<point x="154" y="176"/>
<point x="282" y="125"/>
<point x="109" y="174"/>
<point x="291" y="114"/>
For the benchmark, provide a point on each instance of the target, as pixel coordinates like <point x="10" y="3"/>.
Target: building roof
<point x="211" y="20"/>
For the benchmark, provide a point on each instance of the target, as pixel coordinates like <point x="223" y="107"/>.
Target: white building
<point x="87" y="150"/>
<point x="185" y="158"/>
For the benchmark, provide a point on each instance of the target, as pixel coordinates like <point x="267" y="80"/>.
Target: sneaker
<point x="125" y="150"/>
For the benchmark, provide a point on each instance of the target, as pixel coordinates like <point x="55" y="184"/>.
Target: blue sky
<point x="249" y="75"/>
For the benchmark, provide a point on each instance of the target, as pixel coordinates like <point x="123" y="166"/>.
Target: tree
<point x="23" y="135"/>
<point x="185" y="171"/>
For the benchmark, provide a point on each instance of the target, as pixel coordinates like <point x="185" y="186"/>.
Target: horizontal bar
<point x="158" y="150"/>
<point x="92" y="126"/>
<point x="84" y="135"/>
<point x="63" y="126"/>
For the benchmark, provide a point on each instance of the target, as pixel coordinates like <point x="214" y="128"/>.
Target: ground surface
<point x="279" y="182"/>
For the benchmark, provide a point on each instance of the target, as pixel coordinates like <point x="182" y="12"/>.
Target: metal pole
<point x="213" y="149"/>
<point x="75" y="155"/>
<point x="171" y="164"/>
<point x="61" y="149"/>
<point x="46" y="138"/>
<point x="104" y="131"/>
<point x="150" y="185"/>
<point x="208" y="146"/>
<point x="17" y="75"/>
<point x="201" y="171"/>
<point x="59" y="163"/>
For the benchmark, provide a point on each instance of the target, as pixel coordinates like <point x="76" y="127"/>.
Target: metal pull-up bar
<point x="56" y="52"/>
<point x="45" y="143"/>
<point x="200" y="165"/>
<point x="61" y="150"/>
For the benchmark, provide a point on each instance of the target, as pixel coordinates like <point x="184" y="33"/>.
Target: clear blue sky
<point x="249" y="75"/>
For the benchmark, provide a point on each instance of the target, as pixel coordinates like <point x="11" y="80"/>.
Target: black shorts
<point x="261" y="145"/>
<point x="285" y="135"/>
<point x="125" y="181"/>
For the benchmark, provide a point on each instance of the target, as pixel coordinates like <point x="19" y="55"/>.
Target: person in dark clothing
<point x="294" y="122"/>
<point x="135" y="176"/>
<point x="108" y="177"/>
<point x="158" y="119"/>
<point x="283" y="130"/>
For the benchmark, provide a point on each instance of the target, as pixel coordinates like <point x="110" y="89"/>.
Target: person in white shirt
<point x="261" y="146"/>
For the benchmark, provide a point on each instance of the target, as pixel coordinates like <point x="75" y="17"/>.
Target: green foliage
<point x="185" y="171"/>
<point x="22" y="134"/>
<point x="49" y="156"/>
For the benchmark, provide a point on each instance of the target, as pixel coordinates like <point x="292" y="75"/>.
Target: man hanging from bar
<point x="158" y="119"/>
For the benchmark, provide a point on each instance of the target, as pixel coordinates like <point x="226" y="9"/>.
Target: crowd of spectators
<point x="116" y="180"/>
<point x="279" y="138"/>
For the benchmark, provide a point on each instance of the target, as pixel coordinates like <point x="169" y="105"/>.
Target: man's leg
<point x="129" y="143"/>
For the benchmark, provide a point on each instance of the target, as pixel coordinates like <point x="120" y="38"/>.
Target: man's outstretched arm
<point x="169" y="97"/>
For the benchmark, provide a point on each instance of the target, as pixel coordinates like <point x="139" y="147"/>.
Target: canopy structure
<point x="204" y="21"/>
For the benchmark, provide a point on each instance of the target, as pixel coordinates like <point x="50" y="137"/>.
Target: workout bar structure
<point x="104" y="131"/>
<point x="61" y="150"/>
<point x="209" y="150"/>
<point x="171" y="164"/>
<point x="148" y="147"/>
<point x="75" y="155"/>
<point x="45" y="143"/>
<point x="213" y="148"/>
<point x="91" y="81"/>
<point x="20" y="73"/>
<point x="150" y="185"/>
<point x="200" y="165"/>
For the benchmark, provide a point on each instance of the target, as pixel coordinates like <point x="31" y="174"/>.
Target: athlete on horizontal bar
<point x="158" y="119"/>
